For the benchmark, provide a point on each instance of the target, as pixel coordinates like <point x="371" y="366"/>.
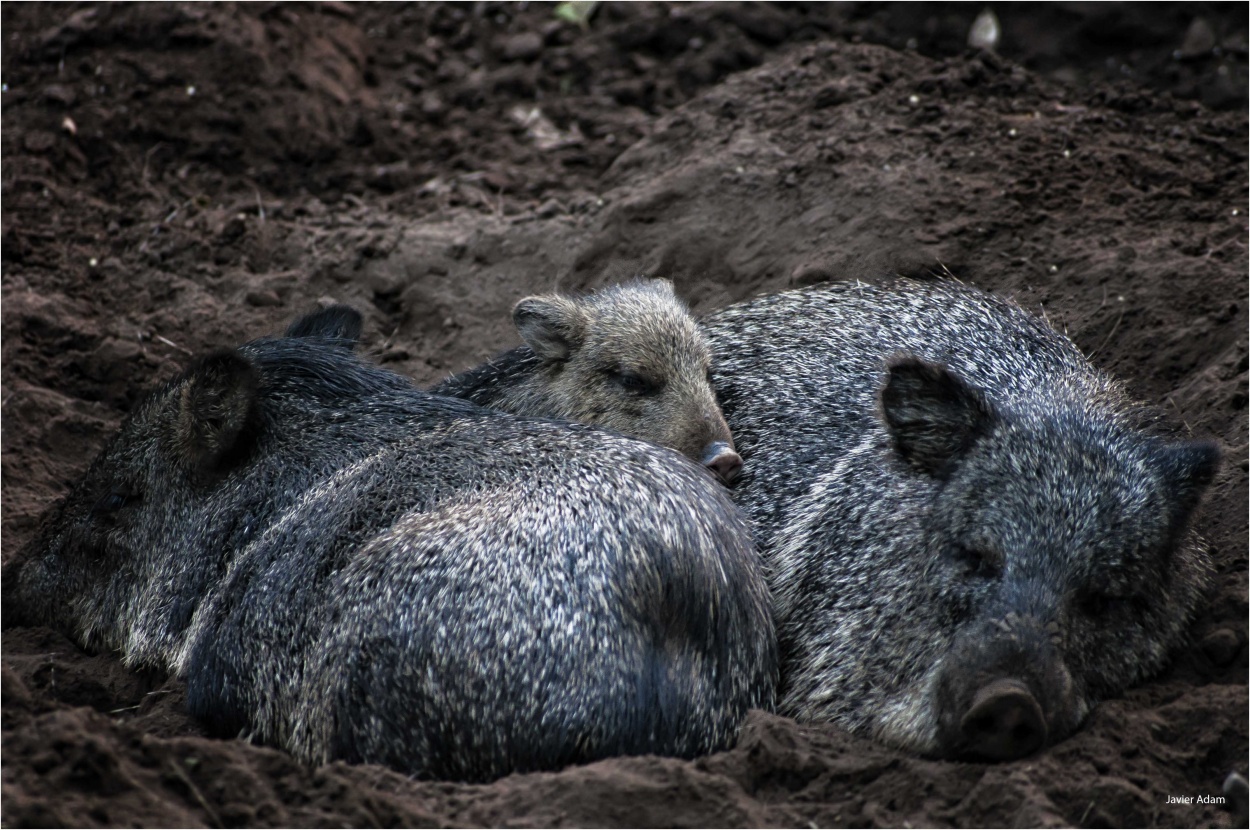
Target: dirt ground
<point x="181" y="177"/>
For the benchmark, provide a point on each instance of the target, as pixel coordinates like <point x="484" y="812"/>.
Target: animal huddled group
<point x="908" y="508"/>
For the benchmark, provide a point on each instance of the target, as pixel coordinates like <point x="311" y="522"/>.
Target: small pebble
<point x="263" y="299"/>
<point x="524" y="46"/>
<point x="39" y="141"/>
<point x="58" y="94"/>
<point x="1221" y="646"/>
<point x="1199" y="39"/>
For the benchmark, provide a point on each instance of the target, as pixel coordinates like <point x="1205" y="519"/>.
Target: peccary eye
<point x="636" y="384"/>
<point x="978" y="563"/>
<point x="1098" y="603"/>
<point x="112" y="502"/>
<point x="1101" y="603"/>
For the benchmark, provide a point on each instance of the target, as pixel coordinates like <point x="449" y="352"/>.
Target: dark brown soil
<point x="181" y="177"/>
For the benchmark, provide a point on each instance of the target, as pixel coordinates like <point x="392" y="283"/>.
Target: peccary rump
<point x="971" y="536"/>
<point x="347" y="567"/>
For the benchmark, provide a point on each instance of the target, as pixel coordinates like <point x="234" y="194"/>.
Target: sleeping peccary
<point x="351" y="568"/>
<point x="628" y="357"/>
<point x="970" y="534"/>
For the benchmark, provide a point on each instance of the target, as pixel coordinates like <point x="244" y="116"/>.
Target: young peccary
<point x="629" y="358"/>
<point x="969" y="534"/>
<point x="351" y="568"/>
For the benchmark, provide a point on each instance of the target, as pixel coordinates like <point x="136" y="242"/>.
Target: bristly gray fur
<point x="945" y="492"/>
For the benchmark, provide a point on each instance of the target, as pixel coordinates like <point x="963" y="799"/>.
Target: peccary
<point x="629" y="357"/>
<point x="970" y="534"/>
<point x="350" y="568"/>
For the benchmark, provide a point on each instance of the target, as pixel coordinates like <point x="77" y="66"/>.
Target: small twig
<point x="147" y="157"/>
<point x="1107" y="339"/>
<point x="173" y="345"/>
<point x="156" y="228"/>
<point x="1230" y="241"/>
<point x="195" y="791"/>
<point x="1180" y="414"/>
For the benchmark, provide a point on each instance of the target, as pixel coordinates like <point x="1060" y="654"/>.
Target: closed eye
<point x="113" y="501"/>
<point x="1095" y="603"/>
<point x="977" y="562"/>
<point x="635" y="383"/>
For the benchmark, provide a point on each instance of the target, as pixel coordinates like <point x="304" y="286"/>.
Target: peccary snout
<point x="1005" y="691"/>
<point x="1004" y="722"/>
<point x="721" y="459"/>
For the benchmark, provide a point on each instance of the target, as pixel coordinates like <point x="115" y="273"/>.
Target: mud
<point x="181" y="177"/>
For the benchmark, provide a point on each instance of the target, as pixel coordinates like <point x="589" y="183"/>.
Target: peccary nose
<point x="720" y="458"/>
<point x="1004" y="722"/>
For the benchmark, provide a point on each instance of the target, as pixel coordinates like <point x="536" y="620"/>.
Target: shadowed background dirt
<point x="182" y="177"/>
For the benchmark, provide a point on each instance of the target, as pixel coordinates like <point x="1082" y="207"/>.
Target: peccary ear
<point x="1188" y="468"/>
<point x="932" y="415"/>
<point x="338" y="322"/>
<point x="216" y="408"/>
<point x="552" y="326"/>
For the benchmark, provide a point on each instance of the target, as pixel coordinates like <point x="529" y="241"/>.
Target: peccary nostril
<point x="723" y="461"/>
<point x="1004" y="722"/>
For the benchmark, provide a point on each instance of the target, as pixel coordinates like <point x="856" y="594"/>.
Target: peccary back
<point x="970" y="534"/>
<point x="350" y="568"/>
<point x="628" y="358"/>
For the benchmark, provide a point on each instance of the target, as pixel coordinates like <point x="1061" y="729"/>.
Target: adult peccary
<point x="970" y="534"/>
<point x="350" y="568"/>
<point x="629" y="358"/>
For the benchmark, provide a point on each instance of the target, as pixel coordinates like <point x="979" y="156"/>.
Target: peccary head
<point x="632" y="359"/>
<point x="1053" y="552"/>
<point x="92" y="548"/>
<point x="123" y="560"/>
<point x="1015" y="564"/>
